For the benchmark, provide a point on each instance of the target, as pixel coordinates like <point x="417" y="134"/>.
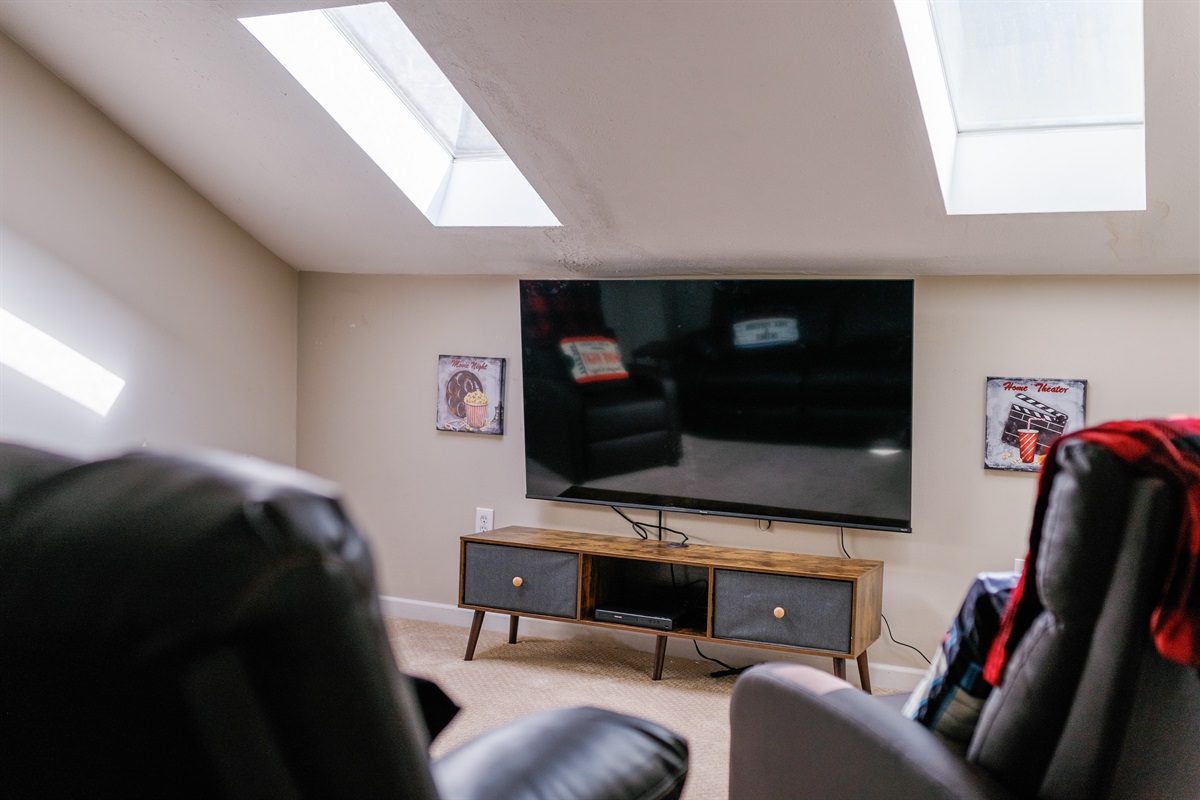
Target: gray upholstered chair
<point x="1087" y="708"/>
<point x="208" y="627"/>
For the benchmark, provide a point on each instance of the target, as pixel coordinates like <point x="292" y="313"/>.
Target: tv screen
<point x="771" y="399"/>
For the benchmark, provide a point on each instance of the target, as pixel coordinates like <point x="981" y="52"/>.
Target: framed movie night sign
<point x="471" y="394"/>
<point x="1024" y="415"/>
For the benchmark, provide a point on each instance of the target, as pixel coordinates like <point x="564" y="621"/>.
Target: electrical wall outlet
<point x="484" y="518"/>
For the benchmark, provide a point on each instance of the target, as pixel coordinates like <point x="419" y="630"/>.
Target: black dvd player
<point x="657" y="619"/>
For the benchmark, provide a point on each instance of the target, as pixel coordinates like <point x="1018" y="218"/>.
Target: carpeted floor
<point x="507" y="681"/>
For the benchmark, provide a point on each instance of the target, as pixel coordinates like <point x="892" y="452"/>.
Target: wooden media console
<point x="820" y="605"/>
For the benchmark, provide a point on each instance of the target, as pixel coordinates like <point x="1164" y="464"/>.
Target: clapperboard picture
<point x="1024" y="415"/>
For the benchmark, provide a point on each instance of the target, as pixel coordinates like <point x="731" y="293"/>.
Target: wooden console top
<point x="701" y="555"/>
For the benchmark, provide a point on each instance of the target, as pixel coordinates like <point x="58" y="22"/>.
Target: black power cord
<point x="721" y="673"/>
<point x="638" y="527"/>
<point x="888" y="625"/>
<point x="643" y="529"/>
<point x="897" y="641"/>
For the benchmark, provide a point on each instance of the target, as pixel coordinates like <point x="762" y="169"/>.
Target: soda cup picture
<point x="1028" y="439"/>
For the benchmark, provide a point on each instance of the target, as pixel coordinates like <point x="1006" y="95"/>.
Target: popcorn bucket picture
<point x="471" y="394"/>
<point x="476" y="412"/>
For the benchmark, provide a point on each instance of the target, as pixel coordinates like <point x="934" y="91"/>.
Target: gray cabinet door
<point x="817" y="612"/>
<point x="548" y="579"/>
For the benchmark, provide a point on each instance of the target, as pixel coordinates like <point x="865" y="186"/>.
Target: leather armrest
<point x="567" y="754"/>
<point x="795" y="731"/>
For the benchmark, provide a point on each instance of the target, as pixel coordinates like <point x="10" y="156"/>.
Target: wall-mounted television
<point x="773" y="399"/>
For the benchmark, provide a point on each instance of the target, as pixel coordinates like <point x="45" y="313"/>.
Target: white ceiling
<point x="668" y="137"/>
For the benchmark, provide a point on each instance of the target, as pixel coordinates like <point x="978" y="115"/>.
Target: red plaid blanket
<point x="1169" y="449"/>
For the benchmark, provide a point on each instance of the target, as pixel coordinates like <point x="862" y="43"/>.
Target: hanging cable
<point x="897" y="641"/>
<point x="643" y="529"/>
<point x="888" y="625"/>
<point x="721" y="673"/>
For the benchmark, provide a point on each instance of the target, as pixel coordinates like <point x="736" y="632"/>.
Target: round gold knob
<point x="778" y="612"/>
<point x="517" y="581"/>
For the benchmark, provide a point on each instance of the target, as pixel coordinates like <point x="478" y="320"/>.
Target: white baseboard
<point x="883" y="676"/>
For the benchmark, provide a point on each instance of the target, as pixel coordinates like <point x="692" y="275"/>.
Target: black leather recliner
<point x="208" y="627"/>
<point x="1088" y="709"/>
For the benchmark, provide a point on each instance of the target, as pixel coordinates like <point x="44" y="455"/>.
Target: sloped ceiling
<point x="668" y="137"/>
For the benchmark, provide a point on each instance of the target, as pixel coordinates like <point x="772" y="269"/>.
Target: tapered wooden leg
<point x="476" y="626"/>
<point x="660" y="655"/>
<point x="864" y="672"/>
<point x="839" y="668"/>
<point x="512" y="628"/>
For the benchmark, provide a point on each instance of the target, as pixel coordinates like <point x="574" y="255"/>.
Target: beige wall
<point x="108" y="250"/>
<point x="368" y="352"/>
<point x="104" y="248"/>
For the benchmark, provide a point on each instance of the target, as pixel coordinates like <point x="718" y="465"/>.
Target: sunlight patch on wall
<point x="51" y="363"/>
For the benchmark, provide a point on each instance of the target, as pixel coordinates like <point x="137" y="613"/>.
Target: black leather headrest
<point x="158" y="549"/>
<point x="22" y="467"/>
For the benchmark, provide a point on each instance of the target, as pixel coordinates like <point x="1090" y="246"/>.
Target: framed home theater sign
<point x="1023" y="417"/>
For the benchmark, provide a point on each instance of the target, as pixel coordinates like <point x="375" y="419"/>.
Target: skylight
<point x="1031" y="105"/>
<point x="368" y="71"/>
<point x="43" y="358"/>
<point x="389" y="47"/>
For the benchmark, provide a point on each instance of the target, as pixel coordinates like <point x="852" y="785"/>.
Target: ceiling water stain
<point x="1133" y="234"/>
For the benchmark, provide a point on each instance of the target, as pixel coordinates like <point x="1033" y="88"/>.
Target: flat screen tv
<point x="771" y="399"/>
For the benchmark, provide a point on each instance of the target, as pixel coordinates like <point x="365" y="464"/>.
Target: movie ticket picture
<point x="1023" y="417"/>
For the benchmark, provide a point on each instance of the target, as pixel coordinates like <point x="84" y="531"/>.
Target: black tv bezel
<point x="720" y="508"/>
